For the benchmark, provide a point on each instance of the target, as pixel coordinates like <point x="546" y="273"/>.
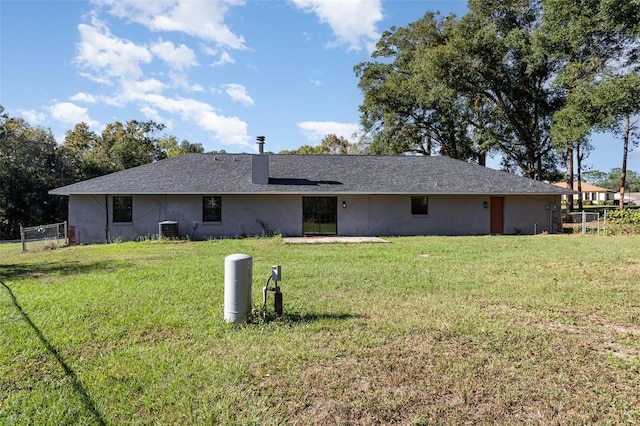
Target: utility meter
<point x="276" y="273"/>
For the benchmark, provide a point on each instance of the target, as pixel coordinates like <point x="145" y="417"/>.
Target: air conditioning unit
<point x="168" y="229"/>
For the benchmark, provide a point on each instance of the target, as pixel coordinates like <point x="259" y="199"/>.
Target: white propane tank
<point x="237" y="287"/>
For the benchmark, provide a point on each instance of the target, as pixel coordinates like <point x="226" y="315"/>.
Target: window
<point x="123" y="209"/>
<point x="212" y="209"/>
<point x="419" y="205"/>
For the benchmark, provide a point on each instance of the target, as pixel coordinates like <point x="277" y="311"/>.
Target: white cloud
<point x="69" y="113"/>
<point x="225" y="58"/>
<point x="314" y="131"/>
<point x="315" y="80"/>
<point x="179" y="58"/>
<point x="153" y="114"/>
<point x="83" y="97"/>
<point x="353" y="22"/>
<point x="108" y="56"/>
<point x="133" y="90"/>
<point x="227" y="130"/>
<point x="196" y="88"/>
<point x="201" y="19"/>
<point x="32" y="116"/>
<point x="238" y="92"/>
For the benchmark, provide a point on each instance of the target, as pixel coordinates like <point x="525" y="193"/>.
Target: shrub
<point x="625" y="216"/>
<point x="625" y="221"/>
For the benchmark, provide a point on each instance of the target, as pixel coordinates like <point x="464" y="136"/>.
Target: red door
<point x="497" y="215"/>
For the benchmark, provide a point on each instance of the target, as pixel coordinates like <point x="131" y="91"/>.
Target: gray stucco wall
<point x="381" y="215"/>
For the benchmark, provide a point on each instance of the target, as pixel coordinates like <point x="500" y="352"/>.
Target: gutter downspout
<point x="106" y="214"/>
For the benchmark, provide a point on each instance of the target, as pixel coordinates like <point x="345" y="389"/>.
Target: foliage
<point x="119" y="146"/>
<point x="170" y="147"/>
<point x="132" y="333"/>
<point x="33" y="163"/>
<point x="611" y="180"/>
<point x="29" y="167"/>
<point x="624" y="217"/>
<point x="598" y="43"/>
<point x="131" y="144"/>
<point x="331" y="144"/>
<point x="407" y="106"/>
<point x="465" y="86"/>
<point x="511" y="76"/>
<point x="623" y="221"/>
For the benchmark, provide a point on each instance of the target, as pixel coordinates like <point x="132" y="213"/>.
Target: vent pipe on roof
<point x="260" y="143"/>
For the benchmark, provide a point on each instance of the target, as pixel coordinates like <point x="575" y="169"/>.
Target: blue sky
<point x="218" y="72"/>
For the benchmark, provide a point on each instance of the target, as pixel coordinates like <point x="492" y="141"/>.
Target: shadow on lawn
<point x="77" y="383"/>
<point x="294" y="318"/>
<point x="15" y="271"/>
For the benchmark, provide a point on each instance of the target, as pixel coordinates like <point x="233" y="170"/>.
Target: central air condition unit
<point x="168" y="229"/>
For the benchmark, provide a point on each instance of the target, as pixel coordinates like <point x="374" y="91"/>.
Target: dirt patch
<point x="598" y="333"/>
<point x="604" y="336"/>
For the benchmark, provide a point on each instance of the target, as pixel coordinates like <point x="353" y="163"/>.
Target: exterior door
<point x="319" y="215"/>
<point x="497" y="215"/>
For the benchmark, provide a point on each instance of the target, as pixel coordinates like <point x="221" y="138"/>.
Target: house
<point x="630" y="198"/>
<point x="211" y="195"/>
<point x="591" y="194"/>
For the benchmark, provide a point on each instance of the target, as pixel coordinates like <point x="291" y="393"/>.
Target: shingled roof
<point x="314" y="174"/>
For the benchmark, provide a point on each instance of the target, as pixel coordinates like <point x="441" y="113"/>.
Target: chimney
<point x="260" y="165"/>
<point x="260" y="143"/>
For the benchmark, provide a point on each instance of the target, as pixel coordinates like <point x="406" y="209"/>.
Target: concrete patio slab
<point x="332" y="239"/>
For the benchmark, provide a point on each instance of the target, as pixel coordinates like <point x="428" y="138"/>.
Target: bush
<point x="624" y="217"/>
<point x="625" y="221"/>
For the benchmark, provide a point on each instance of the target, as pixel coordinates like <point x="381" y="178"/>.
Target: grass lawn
<point x="422" y="330"/>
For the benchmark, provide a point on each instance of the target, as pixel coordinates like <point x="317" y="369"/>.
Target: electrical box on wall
<point x="276" y="273"/>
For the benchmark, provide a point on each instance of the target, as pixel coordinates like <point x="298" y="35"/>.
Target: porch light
<point x="344" y="204"/>
<point x="486" y="204"/>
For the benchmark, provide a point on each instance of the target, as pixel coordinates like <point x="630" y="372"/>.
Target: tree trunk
<point x="623" y="174"/>
<point x="579" y="160"/>
<point x="569" y="179"/>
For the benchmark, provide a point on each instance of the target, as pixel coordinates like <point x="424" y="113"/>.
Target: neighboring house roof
<point x="586" y="187"/>
<point x="316" y="174"/>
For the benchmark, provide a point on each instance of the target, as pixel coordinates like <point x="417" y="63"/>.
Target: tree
<point x="598" y="43"/>
<point x="406" y="109"/>
<point x="83" y="154"/>
<point x="464" y="87"/>
<point x="617" y="100"/>
<point x="304" y="149"/>
<point x="610" y="104"/>
<point x="498" y="59"/>
<point x="169" y="146"/>
<point x="611" y="179"/>
<point x="131" y="145"/>
<point x="30" y="167"/>
<point x="331" y="144"/>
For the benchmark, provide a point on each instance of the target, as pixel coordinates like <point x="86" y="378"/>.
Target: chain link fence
<point x="44" y="236"/>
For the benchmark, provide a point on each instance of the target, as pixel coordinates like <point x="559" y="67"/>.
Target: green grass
<point x="424" y="330"/>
